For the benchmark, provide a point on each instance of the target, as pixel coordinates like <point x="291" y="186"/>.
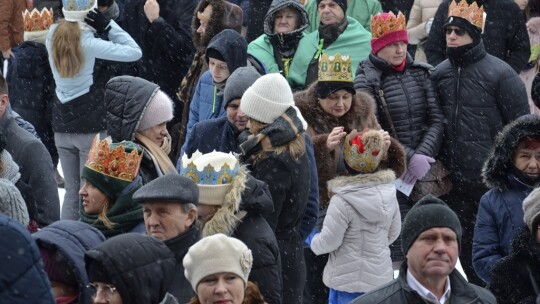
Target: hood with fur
<point x="501" y="157"/>
<point x="225" y="15"/>
<point x="293" y="36"/>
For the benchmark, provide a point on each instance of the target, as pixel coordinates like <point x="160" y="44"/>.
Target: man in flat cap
<point x="431" y="239"/>
<point x="170" y="213"/>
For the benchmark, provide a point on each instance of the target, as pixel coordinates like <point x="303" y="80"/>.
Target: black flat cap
<point x="168" y="188"/>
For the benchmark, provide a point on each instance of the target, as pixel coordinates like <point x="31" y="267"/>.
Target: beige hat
<point x="217" y="254"/>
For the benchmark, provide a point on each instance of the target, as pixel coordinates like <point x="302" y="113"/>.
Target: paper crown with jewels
<point x="117" y="160"/>
<point x="35" y="21"/>
<point x="386" y="23"/>
<point x="472" y="13"/>
<point x="212" y="172"/>
<point x="335" y="68"/>
<point x="76" y="10"/>
<point x="364" y="152"/>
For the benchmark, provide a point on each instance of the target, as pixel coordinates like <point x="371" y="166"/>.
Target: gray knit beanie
<point x="12" y="203"/>
<point x="429" y="212"/>
<point x="9" y="169"/>
<point x="531" y="210"/>
<point x="239" y="81"/>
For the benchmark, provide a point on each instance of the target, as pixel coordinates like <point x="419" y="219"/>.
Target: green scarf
<point x="261" y="48"/>
<point x="123" y="213"/>
<point x="355" y="41"/>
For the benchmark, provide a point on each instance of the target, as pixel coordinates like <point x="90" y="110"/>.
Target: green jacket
<point x="355" y="41"/>
<point x="361" y="10"/>
<point x="261" y="48"/>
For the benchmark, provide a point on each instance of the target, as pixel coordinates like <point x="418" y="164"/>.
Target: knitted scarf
<point x="160" y="158"/>
<point x="8" y="168"/>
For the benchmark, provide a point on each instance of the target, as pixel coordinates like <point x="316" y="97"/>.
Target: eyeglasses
<point x="459" y="32"/>
<point x="106" y="290"/>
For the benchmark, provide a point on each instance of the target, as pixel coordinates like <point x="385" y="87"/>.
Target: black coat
<point x="179" y="245"/>
<point x="213" y="134"/>
<point x="71" y="239"/>
<point x="396" y="6"/>
<point x="412" y="103"/>
<point x="166" y="43"/>
<point x="510" y="281"/>
<point x="479" y="95"/>
<point x="255" y="232"/>
<point x="505" y="33"/>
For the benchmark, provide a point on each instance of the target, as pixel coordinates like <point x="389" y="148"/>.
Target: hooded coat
<point x="22" y="279"/>
<point x="140" y="267"/>
<point x="362" y="220"/>
<point x="71" y="239"/>
<point x="500" y="213"/>
<point x="511" y="276"/>
<point x="360" y="10"/>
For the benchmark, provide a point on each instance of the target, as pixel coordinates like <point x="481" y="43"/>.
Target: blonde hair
<point x="66" y="49"/>
<point x="296" y="147"/>
<point x="102" y="216"/>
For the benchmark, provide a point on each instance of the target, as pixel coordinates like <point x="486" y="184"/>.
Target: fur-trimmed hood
<point x="292" y="38"/>
<point x="500" y="158"/>
<point x="225" y="15"/>
<point x="362" y="180"/>
<point x="362" y="110"/>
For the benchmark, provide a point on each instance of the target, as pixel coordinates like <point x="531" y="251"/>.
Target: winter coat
<point x="126" y="99"/>
<point x="477" y="105"/>
<point x="396" y="6"/>
<point x="141" y="267"/>
<point x="398" y="291"/>
<point x="22" y="279"/>
<point x="500" y="213"/>
<point x="11" y="23"/>
<point x="166" y="43"/>
<point x="360" y="10"/>
<point x="510" y="276"/>
<point x="412" y="103"/>
<point x="505" y="34"/>
<point x="71" y="239"/>
<point x="362" y="220"/>
<point x="421" y="12"/>
<point x="36" y="168"/>
<point x="181" y="288"/>
<point x="361" y="115"/>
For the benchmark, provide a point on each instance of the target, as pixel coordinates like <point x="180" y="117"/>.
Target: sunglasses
<point x="459" y="32"/>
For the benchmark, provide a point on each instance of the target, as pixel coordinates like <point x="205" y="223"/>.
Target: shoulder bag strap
<point x="387" y="114"/>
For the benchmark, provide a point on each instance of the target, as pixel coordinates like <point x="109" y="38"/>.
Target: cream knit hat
<point x="268" y="98"/>
<point x="158" y="110"/>
<point x="12" y="203"/>
<point x="216" y="254"/>
<point x="531" y="210"/>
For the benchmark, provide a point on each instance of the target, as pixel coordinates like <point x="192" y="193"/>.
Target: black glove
<point x="98" y="21"/>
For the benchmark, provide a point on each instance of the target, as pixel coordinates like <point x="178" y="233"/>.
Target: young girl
<point x="79" y="109"/>
<point x="362" y="220"/>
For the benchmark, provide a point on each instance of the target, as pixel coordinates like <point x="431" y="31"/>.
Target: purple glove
<point x="418" y="167"/>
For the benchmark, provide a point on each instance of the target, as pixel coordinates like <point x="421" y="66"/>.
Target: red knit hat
<point x="387" y="28"/>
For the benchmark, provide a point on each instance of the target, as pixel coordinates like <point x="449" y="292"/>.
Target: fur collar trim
<point x="375" y="178"/>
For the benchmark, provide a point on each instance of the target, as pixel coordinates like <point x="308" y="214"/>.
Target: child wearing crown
<point x="362" y="220"/>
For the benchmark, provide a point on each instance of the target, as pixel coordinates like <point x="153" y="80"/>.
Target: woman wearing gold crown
<point x="110" y="177"/>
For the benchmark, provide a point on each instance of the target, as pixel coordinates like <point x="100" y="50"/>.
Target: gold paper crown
<point x="471" y="13"/>
<point x="381" y="26"/>
<point x="365" y="157"/>
<point x="220" y="170"/>
<point x="36" y="21"/>
<point x="335" y="68"/>
<point x="117" y="162"/>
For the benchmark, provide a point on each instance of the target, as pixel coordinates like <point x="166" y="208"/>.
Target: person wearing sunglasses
<point x="479" y="94"/>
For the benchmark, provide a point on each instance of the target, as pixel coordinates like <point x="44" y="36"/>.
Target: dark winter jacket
<point x="22" y="279"/>
<point x="126" y="98"/>
<point x="505" y="34"/>
<point x="35" y="166"/>
<point x="398" y="291"/>
<point x="71" y="239"/>
<point x="140" y="267"/>
<point x="396" y="6"/>
<point x="511" y="282"/>
<point x="181" y="288"/>
<point x="500" y="213"/>
<point x="412" y="103"/>
<point x="166" y="43"/>
<point x="479" y="94"/>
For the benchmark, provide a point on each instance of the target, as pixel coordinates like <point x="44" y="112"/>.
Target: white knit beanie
<point x="217" y="253"/>
<point x="158" y="110"/>
<point x="12" y="203"/>
<point x="268" y="98"/>
<point x="76" y="10"/>
<point x="531" y="210"/>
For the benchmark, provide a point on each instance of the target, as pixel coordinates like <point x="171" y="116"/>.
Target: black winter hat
<point x="535" y="90"/>
<point x="237" y="84"/>
<point x="429" y="212"/>
<point x="173" y="188"/>
<point x="474" y="32"/>
<point x="341" y="3"/>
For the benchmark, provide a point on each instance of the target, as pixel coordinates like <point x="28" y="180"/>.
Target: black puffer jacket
<point x="479" y="95"/>
<point x="412" y="103"/>
<point x="505" y="33"/>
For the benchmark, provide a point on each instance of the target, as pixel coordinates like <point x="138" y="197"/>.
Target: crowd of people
<point x="279" y="151"/>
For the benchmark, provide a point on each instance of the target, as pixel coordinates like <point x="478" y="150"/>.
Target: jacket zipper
<point x="456" y="110"/>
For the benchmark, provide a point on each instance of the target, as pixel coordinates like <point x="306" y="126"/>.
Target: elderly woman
<point x="218" y="267"/>
<point x="138" y="111"/>
<point x="110" y="177"/>
<point x="283" y="28"/>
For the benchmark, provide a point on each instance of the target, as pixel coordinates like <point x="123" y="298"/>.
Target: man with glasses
<point x="479" y="94"/>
